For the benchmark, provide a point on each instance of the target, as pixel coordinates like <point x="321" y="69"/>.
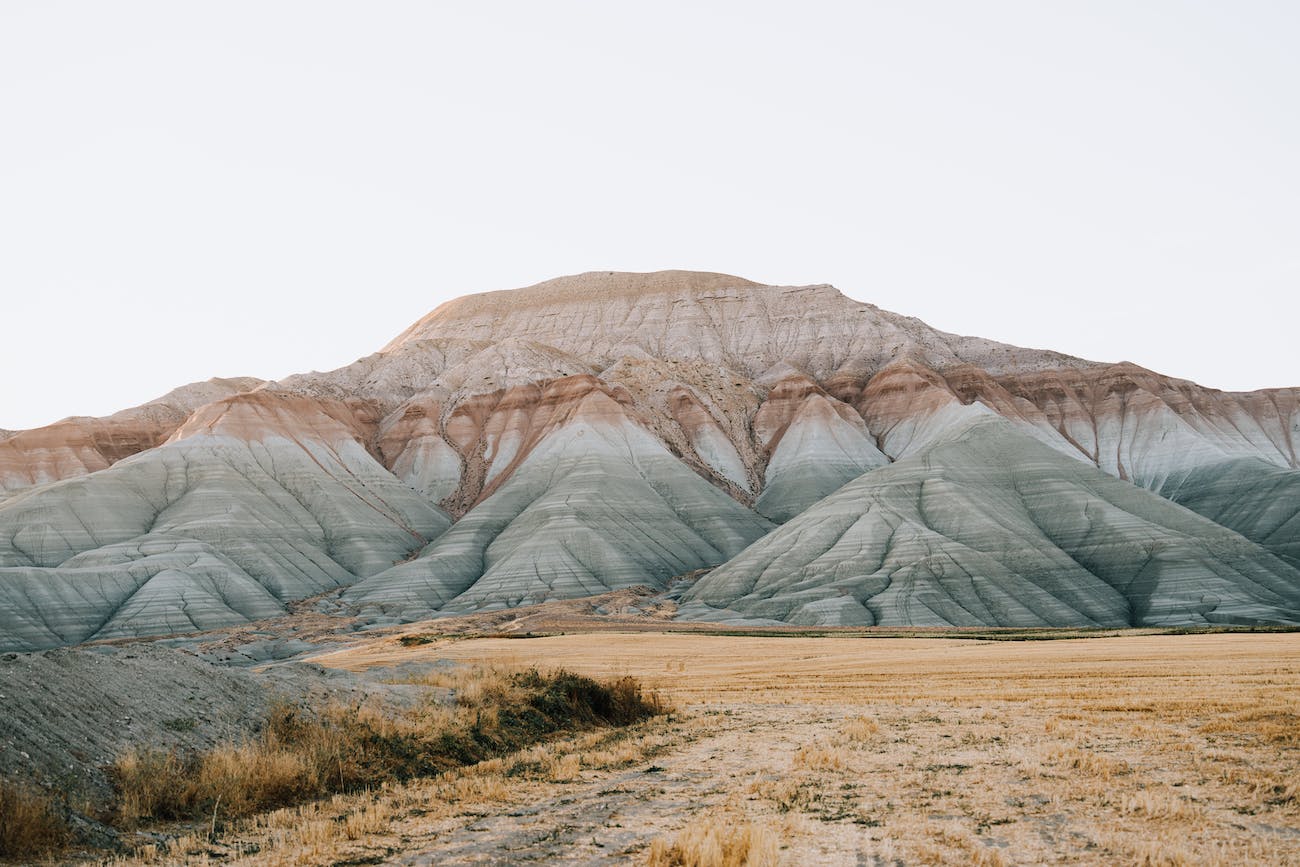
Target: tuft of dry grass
<point x="860" y="729"/>
<point x="564" y="769"/>
<point x="301" y="756"/>
<point x="821" y="757"/>
<point x="31" y="823"/>
<point x="1278" y="725"/>
<point x="785" y="793"/>
<point x="1267" y="789"/>
<point x="373" y="818"/>
<point x="1090" y="763"/>
<point x="952" y="846"/>
<point x="1160" y="804"/>
<point x="713" y="841"/>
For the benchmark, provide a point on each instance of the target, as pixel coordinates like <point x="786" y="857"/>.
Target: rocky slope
<point x="592" y="502"/>
<point x="610" y="430"/>
<point x="257" y="499"/>
<point x="987" y="526"/>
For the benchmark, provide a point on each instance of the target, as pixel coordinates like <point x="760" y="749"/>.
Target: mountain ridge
<point x="771" y="397"/>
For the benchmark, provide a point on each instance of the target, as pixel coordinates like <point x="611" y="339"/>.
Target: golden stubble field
<point x="801" y="751"/>
<point x="1179" y="749"/>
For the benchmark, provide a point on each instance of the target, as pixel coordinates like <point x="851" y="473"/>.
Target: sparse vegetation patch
<point x="300" y="756"/>
<point x="31" y="823"/>
<point x="717" y="842"/>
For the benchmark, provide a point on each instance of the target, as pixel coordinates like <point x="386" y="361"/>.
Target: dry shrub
<point x="786" y="794"/>
<point x="860" y="729"/>
<point x="1090" y="763"/>
<point x="371" y="819"/>
<point x="478" y="789"/>
<point x="621" y="701"/>
<point x="296" y="757"/>
<point x="820" y="758"/>
<point x="31" y="824"/>
<point x="301" y="756"/>
<point x="713" y="842"/>
<point x="1158" y="804"/>
<point x="564" y="769"/>
<point x="146" y="781"/>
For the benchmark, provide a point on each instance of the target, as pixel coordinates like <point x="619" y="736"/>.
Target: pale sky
<point x="191" y="190"/>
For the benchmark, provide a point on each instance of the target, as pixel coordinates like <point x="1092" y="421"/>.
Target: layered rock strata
<point x="609" y="429"/>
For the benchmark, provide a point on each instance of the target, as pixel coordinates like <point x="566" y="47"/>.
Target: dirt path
<point x="608" y="816"/>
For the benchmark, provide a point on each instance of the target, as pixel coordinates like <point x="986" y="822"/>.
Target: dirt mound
<point x="70" y="712"/>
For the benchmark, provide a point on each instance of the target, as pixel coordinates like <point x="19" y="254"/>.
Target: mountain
<point x="611" y="429"/>
<point x="987" y="526"/>
<point x="258" y="499"/>
<point x="593" y="503"/>
<point x="77" y="446"/>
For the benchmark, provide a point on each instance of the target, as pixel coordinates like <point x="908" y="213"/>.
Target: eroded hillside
<point x="611" y="430"/>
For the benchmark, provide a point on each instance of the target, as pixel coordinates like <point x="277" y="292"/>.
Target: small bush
<point x="818" y="757"/>
<point x="860" y="729"/>
<point x="787" y="793"/>
<point x="1158" y="804"/>
<point x="712" y="843"/>
<point x="563" y="695"/>
<point x="1090" y="763"/>
<point x="31" y="823"/>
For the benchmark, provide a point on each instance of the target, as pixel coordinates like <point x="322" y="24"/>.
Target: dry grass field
<point x="1128" y="750"/>
<point x="1148" y="749"/>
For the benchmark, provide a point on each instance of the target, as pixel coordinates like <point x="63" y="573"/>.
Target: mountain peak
<point x="593" y="288"/>
<point x="634" y="283"/>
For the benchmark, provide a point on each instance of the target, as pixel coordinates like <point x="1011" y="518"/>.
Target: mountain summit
<point x="833" y="463"/>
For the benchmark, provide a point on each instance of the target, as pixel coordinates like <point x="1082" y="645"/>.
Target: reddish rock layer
<point x="77" y="446"/>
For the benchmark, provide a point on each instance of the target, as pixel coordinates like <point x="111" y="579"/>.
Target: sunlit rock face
<point x="610" y="429"/>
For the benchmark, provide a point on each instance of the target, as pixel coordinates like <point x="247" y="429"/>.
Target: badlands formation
<point x="817" y="460"/>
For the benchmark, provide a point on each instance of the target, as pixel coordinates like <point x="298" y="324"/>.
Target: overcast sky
<point x="191" y="190"/>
